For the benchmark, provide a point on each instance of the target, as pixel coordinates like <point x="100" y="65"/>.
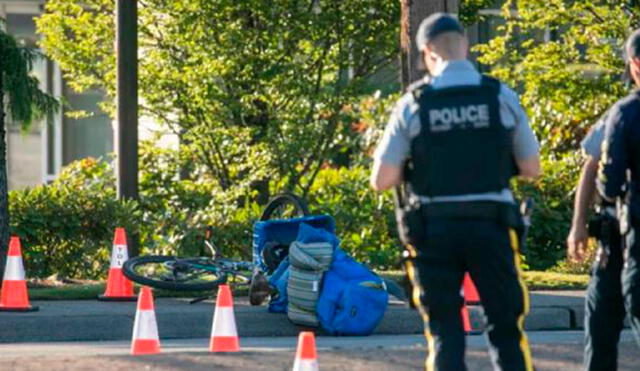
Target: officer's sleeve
<point x="592" y="143"/>
<point x="394" y="146"/>
<point x="525" y="143"/>
<point x="614" y="161"/>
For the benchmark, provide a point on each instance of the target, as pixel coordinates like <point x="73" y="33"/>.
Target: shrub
<point x="364" y="218"/>
<point x="66" y="228"/>
<point x="551" y="219"/>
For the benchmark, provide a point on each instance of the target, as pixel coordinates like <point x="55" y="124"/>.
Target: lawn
<point x="89" y="290"/>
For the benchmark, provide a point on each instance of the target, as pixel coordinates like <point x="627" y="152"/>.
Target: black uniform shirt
<point x="620" y="161"/>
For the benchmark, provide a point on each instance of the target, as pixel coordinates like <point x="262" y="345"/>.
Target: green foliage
<point x="255" y="89"/>
<point x="566" y="58"/>
<point x="25" y="100"/>
<point x="66" y="228"/>
<point x="551" y="219"/>
<point x="469" y="10"/>
<point x="21" y="97"/>
<point x="364" y="218"/>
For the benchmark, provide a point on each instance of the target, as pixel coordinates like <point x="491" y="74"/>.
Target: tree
<point x="566" y="58"/>
<point x="22" y="100"/>
<point x="413" y="12"/>
<point x="256" y="90"/>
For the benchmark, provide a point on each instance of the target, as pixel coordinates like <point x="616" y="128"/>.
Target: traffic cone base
<point x="145" y="346"/>
<point x="13" y="295"/>
<point x="224" y="344"/>
<point x="119" y="288"/>
<point x="15" y="298"/>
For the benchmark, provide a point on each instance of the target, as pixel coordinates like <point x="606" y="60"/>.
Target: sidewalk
<point x="91" y="320"/>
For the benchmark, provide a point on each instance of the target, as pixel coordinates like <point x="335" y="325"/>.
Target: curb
<point x="95" y="321"/>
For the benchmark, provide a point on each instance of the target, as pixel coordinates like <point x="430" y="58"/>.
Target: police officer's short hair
<point x="437" y="24"/>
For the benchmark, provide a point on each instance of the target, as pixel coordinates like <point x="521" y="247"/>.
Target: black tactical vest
<point x="462" y="148"/>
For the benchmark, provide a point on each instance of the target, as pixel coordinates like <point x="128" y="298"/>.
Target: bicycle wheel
<point x="285" y="206"/>
<point x="172" y="273"/>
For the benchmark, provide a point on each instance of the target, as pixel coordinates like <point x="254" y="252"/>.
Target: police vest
<point x="463" y="147"/>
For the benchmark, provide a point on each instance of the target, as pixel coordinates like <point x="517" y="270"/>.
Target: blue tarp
<point x="284" y="231"/>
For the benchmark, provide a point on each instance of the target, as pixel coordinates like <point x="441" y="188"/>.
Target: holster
<point x="603" y="227"/>
<point x="409" y="217"/>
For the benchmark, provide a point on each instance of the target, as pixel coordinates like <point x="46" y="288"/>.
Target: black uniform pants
<point x="487" y="250"/>
<point x="612" y="289"/>
<point x="604" y="308"/>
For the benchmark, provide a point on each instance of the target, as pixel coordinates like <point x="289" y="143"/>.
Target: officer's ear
<point x="634" y="69"/>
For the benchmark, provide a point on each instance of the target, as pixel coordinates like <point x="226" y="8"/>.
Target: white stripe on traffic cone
<point x="14" y="270"/>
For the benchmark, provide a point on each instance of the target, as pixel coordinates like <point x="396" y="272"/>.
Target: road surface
<point x="552" y="351"/>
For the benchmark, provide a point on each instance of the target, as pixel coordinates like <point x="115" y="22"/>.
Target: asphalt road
<point x="552" y="351"/>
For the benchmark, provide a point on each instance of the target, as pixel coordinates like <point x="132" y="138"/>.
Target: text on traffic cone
<point x="118" y="286"/>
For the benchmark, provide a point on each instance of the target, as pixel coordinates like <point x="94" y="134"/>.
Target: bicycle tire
<point x="285" y="199"/>
<point x="129" y="270"/>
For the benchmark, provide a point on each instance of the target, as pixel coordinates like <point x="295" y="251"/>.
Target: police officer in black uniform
<point x="619" y="181"/>
<point x="454" y="141"/>
<point x="604" y="302"/>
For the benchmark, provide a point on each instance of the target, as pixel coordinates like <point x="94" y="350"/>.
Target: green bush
<point x="364" y="218"/>
<point x="551" y="219"/>
<point x="67" y="227"/>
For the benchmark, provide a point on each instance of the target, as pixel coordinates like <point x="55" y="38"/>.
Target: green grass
<point x="535" y="280"/>
<point x="92" y="290"/>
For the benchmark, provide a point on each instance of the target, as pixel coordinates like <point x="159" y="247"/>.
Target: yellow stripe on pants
<point x="524" y="342"/>
<point x="415" y="297"/>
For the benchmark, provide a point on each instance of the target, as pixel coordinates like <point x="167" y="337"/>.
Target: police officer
<point x="454" y="141"/>
<point x="604" y="304"/>
<point x="619" y="180"/>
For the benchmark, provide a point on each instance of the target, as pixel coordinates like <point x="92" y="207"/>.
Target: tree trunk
<point x="413" y="12"/>
<point x="4" y="202"/>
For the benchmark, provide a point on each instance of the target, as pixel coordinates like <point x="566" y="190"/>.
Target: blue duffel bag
<point x="353" y="298"/>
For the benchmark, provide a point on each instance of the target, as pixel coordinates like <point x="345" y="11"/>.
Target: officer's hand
<point x="577" y="242"/>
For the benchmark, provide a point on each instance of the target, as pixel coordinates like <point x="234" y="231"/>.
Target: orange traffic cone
<point x="306" y="357"/>
<point x="224" y="335"/>
<point x="119" y="288"/>
<point x="14" y="296"/>
<point x="470" y="292"/>
<point x="145" y="328"/>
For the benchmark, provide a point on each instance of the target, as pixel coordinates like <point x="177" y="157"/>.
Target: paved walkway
<point x="91" y="320"/>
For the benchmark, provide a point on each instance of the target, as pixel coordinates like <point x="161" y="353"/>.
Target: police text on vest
<point x="475" y="116"/>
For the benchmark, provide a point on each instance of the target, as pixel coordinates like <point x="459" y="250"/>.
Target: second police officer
<point x="455" y="140"/>
<point x="604" y="303"/>
<point x="619" y="181"/>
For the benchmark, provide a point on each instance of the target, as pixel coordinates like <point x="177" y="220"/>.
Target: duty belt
<point x="502" y="212"/>
<point x="473" y="209"/>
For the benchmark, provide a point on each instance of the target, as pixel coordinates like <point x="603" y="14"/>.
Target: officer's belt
<point x="468" y="209"/>
<point x="472" y="210"/>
